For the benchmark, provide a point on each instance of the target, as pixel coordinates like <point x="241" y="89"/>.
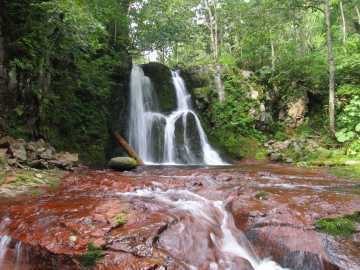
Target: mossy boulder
<point x="160" y="76"/>
<point x="122" y="163"/>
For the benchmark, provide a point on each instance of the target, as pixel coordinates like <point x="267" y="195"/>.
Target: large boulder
<point x="122" y="163"/>
<point x="65" y="160"/>
<point x="6" y="141"/>
<point x="18" y="150"/>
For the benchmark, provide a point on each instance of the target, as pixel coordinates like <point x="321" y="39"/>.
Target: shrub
<point x="92" y="255"/>
<point x="349" y="121"/>
<point x="121" y="219"/>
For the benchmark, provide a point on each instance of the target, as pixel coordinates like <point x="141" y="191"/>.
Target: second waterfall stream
<point x="177" y="138"/>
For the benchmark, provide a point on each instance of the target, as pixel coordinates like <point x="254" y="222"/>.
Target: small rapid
<point x="227" y="242"/>
<point x="167" y="139"/>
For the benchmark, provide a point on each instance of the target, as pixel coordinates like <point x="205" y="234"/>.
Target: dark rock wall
<point x="119" y="110"/>
<point x="160" y="76"/>
<point x="3" y="73"/>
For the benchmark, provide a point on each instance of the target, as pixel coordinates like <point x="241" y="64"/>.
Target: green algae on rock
<point x="339" y="226"/>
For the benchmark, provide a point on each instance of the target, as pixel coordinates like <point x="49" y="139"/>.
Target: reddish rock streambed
<point x="183" y="218"/>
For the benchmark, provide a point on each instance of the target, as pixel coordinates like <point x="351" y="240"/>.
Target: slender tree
<point x="331" y="64"/>
<point x="211" y="19"/>
<point x="343" y="21"/>
<point x="358" y="13"/>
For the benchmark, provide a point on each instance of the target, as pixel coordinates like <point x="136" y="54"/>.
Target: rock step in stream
<point x="182" y="218"/>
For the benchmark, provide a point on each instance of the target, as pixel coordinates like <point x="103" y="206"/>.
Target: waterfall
<point x="166" y="139"/>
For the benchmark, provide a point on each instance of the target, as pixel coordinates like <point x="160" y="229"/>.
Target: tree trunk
<point x="216" y="33"/>
<point x="331" y="65"/>
<point x="273" y="57"/>
<point x="343" y="21"/>
<point x="115" y="33"/>
<point x="213" y="27"/>
<point x="131" y="152"/>
<point x="358" y="13"/>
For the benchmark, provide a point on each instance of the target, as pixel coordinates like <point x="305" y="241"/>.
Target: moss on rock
<point x="339" y="226"/>
<point x="122" y="163"/>
<point x="160" y="76"/>
<point x="352" y="172"/>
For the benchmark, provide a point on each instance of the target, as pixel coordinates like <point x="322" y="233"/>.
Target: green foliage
<point x="349" y="122"/>
<point x="161" y="25"/>
<point x="353" y="149"/>
<point x="352" y="172"/>
<point x="93" y="254"/>
<point x="340" y="226"/>
<point x="227" y="59"/>
<point x="280" y="135"/>
<point x="345" y="135"/>
<point x="30" y="181"/>
<point x="348" y="90"/>
<point x="261" y="154"/>
<point x="234" y="113"/>
<point x="262" y="195"/>
<point x="64" y="54"/>
<point x="70" y="58"/>
<point x="2" y="162"/>
<point x="121" y="219"/>
<point x="232" y="122"/>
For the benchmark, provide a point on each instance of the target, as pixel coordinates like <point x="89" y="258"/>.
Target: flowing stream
<point x="167" y="139"/>
<point x="210" y="216"/>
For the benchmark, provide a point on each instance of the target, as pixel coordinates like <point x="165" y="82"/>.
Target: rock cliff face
<point x="160" y="76"/>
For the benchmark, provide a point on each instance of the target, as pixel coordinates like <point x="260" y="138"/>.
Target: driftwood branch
<point x="131" y="152"/>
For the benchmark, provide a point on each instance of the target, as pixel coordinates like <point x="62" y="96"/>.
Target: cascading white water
<point x="230" y="244"/>
<point x="18" y="256"/>
<point x="4" y="243"/>
<point x="140" y="117"/>
<point x="153" y="134"/>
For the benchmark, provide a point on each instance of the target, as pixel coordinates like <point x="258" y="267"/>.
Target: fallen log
<point x="131" y="152"/>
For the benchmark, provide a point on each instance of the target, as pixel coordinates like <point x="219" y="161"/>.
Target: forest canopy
<point x="66" y="59"/>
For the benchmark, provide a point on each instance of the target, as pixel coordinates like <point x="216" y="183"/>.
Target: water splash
<point x="230" y="244"/>
<point x="154" y="135"/>
<point x="18" y="256"/>
<point x="4" y="243"/>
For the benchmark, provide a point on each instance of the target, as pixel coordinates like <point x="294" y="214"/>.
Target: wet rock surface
<point x="183" y="218"/>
